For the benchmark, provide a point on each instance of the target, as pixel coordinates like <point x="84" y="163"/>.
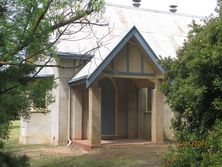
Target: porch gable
<point x="132" y="35"/>
<point x="132" y="61"/>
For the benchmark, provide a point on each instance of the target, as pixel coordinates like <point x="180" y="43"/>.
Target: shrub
<point x="189" y="154"/>
<point x="213" y="156"/>
<point x="7" y="159"/>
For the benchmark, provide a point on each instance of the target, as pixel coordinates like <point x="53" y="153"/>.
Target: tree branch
<point x="91" y="23"/>
<point x="45" y="48"/>
<point x="27" y="80"/>
<point x="39" y="65"/>
<point x="71" y="20"/>
<point x="42" y="15"/>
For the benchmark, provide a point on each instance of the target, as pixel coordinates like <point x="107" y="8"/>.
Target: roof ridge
<point x="152" y="10"/>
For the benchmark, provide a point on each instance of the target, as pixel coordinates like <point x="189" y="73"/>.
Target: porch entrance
<point x="125" y="108"/>
<point x="118" y="108"/>
<point x="134" y="108"/>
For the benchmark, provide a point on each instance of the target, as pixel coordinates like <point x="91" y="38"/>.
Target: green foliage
<point x="25" y="39"/>
<point x="26" y="28"/>
<point x="213" y="156"/>
<point x="193" y="81"/>
<point x="97" y="5"/>
<point x="9" y="160"/>
<point x="13" y="139"/>
<point x="207" y="155"/>
<point x="183" y="157"/>
<point x="193" y="87"/>
<point x="1" y="144"/>
<point x="39" y="93"/>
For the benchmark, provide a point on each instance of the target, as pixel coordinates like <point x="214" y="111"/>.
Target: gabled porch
<point x="120" y="99"/>
<point x="132" y="109"/>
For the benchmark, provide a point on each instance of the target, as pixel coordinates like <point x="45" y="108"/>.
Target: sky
<point x="193" y="7"/>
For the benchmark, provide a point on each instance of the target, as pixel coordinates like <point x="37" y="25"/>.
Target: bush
<point x="7" y="159"/>
<point x="182" y="157"/>
<point x="189" y="153"/>
<point x="213" y="156"/>
<point x="1" y="144"/>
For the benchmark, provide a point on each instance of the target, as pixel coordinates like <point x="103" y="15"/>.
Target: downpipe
<point x="69" y="115"/>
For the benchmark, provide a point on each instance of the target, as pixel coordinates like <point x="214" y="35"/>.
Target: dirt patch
<point x="144" y="155"/>
<point x="39" y="151"/>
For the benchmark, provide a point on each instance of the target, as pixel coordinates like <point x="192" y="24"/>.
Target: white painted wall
<point x="36" y="130"/>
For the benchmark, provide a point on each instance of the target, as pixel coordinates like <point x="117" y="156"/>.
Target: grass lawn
<point x="74" y="156"/>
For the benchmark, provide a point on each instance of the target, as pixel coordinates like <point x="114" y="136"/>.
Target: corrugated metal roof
<point x="163" y="31"/>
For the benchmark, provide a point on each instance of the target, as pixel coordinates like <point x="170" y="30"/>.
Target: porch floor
<point x="115" y="142"/>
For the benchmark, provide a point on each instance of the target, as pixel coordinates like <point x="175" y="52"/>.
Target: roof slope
<point x="164" y="32"/>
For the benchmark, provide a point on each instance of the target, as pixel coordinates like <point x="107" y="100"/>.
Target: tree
<point x="193" y="87"/>
<point x="26" y="29"/>
<point x="193" y="81"/>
